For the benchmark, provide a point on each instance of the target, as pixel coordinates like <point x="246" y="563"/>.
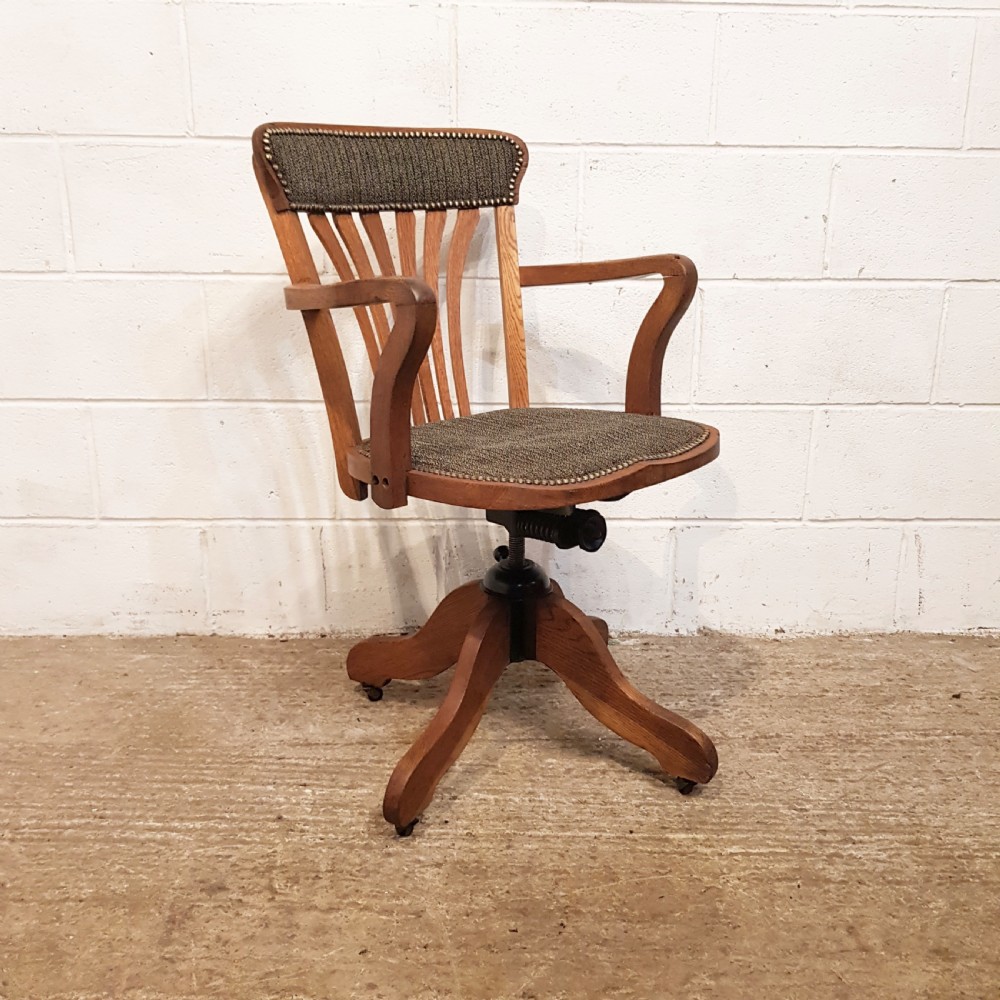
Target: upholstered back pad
<point x="346" y="170"/>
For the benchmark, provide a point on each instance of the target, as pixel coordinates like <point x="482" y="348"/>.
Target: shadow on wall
<point x="380" y="569"/>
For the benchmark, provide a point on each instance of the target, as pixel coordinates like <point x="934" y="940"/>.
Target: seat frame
<point x="515" y="612"/>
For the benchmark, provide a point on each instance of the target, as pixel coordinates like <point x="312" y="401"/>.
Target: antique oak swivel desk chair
<point x="526" y="468"/>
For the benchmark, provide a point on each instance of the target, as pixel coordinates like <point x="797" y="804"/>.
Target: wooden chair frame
<point x="473" y="626"/>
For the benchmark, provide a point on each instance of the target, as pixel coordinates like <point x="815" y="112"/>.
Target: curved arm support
<point x="645" y="365"/>
<point x="396" y="373"/>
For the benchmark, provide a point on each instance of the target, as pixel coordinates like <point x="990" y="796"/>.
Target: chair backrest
<point x="338" y="176"/>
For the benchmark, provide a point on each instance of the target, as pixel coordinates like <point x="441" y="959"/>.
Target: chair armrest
<point x="645" y="363"/>
<point x="669" y="265"/>
<point x="396" y="372"/>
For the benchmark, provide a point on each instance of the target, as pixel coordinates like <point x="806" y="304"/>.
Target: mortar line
<point x="185" y="41"/>
<point x="968" y="88"/>
<point x="713" y="93"/>
<point x="671" y="575"/>
<point x="659" y="521"/>
<point x="203" y="545"/>
<point x="753" y="6"/>
<point x="939" y="347"/>
<point x="274" y="278"/>
<point x="699" y="329"/>
<point x="453" y="39"/>
<point x="205" y="341"/>
<point x="161" y="139"/>
<point x="69" y="244"/>
<point x="810" y="463"/>
<point x="95" y="476"/>
<point x="316" y="405"/>
<point x="900" y="561"/>
<point x="828" y="218"/>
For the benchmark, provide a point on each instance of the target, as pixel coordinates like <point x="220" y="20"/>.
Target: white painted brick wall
<point x="833" y="168"/>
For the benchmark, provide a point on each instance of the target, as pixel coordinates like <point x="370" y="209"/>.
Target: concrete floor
<point x="200" y="817"/>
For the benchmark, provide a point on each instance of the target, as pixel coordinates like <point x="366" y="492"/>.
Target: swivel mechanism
<point x="517" y="613"/>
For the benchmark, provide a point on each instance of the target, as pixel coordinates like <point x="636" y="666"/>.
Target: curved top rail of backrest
<point x="351" y="168"/>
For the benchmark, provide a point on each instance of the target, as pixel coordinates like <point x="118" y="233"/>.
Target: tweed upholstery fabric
<point x="546" y="447"/>
<point x="331" y="170"/>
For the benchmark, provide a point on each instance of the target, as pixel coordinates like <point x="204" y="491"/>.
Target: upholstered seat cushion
<point x="547" y="447"/>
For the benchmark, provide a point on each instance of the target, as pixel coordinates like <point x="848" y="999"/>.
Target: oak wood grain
<point x="375" y="228"/>
<point x="338" y="257"/>
<point x="569" y="643"/>
<point x="461" y="238"/>
<point x="432" y="649"/>
<point x="434" y="223"/>
<point x="348" y="230"/>
<point x="513" y="311"/>
<point x="395" y="376"/>
<point x="406" y="234"/>
<point x="483" y="658"/>
<point x="329" y="358"/>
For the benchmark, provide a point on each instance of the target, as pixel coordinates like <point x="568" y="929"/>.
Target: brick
<point x="762" y="578"/>
<point x="266" y="579"/>
<point x="258" y="349"/>
<point x="578" y="342"/>
<point x="31" y="208"/>
<point x="380" y="578"/>
<point x="916" y="216"/>
<point x="628" y="583"/>
<point x="970" y="349"/>
<point x="102" y="339"/>
<point x="735" y="213"/>
<point x="817" y="343"/>
<point x="984" y="101"/>
<point x="93" y="67"/>
<point x="45" y="457"/>
<point x="951" y="579"/>
<point x="214" y="462"/>
<point x="170" y="206"/>
<point x="546" y="215"/>
<point x="318" y="62"/>
<point x="879" y="81"/>
<point x="760" y="471"/>
<point x="110" y="578"/>
<point x="580" y="336"/>
<point x="654" y="50"/>
<point x="931" y="463"/>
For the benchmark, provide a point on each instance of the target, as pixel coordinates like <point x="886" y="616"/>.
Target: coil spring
<point x="541" y="525"/>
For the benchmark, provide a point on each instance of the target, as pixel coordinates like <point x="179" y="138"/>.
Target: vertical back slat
<point x="433" y="235"/>
<point x="372" y="222"/>
<point x="461" y="238"/>
<point x="328" y="238"/>
<point x="363" y="266"/>
<point x="406" y="231"/>
<point x="513" y="313"/>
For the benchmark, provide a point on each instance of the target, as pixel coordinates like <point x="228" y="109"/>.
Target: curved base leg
<point x="483" y="658"/>
<point x="431" y="650"/>
<point x="601" y="625"/>
<point x="571" y="645"/>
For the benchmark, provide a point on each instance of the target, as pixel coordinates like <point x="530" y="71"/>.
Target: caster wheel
<point x="405" y="831"/>
<point x="686" y="786"/>
<point x="374" y="693"/>
<point x="501" y="552"/>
